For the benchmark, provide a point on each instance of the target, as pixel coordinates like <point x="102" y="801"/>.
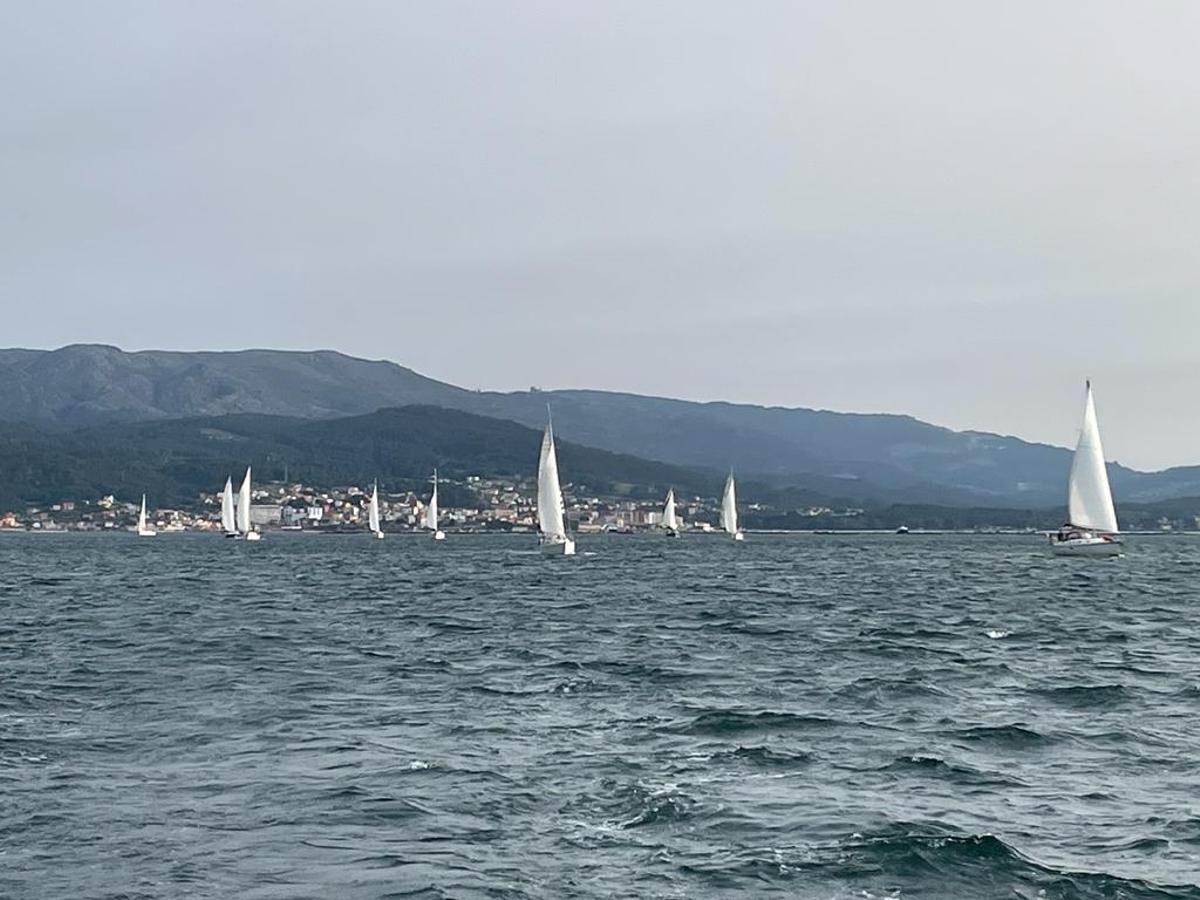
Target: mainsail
<point x="431" y="511"/>
<point x="729" y="507"/>
<point x="373" y="510"/>
<point x="142" y="515"/>
<point x="243" y="505"/>
<point x="227" y="517"/>
<point x="1089" y="498"/>
<point x="669" y="520"/>
<point x="549" y="498"/>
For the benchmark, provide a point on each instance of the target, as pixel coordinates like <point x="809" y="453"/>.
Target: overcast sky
<point x="954" y="210"/>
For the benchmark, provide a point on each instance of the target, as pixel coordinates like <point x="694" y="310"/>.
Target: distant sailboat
<point x="143" y="526"/>
<point x="729" y="520"/>
<point x="431" y="512"/>
<point x="551" y="526"/>
<point x="228" y="521"/>
<point x="373" y="513"/>
<point x="1091" y="528"/>
<point x="670" y="522"/>
<point x="243" y="511"/>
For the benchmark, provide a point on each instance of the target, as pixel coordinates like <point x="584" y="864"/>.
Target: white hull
<point x="378" y="535"/>
<point x="1087" y="546"/>
<point x="439" y="535"/>
<point x="563" y="547"/>
<point x="738" y="536"/>
<point x="253" y="536"/>
<point x="146" y="532"/>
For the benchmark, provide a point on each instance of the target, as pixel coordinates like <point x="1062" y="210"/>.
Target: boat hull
<point x="253" y="536"/>
<point x="1087" y="546"/>
<point x="564" y="547"/>
<point x="378" y="535"/>
<point x="739" y="536"/>
<point x="146" y="532"/>
<point x="439" y="535"/>
<point x="672" y="533"/>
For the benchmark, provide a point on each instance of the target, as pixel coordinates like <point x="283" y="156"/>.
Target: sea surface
<point x="802" y="715"/>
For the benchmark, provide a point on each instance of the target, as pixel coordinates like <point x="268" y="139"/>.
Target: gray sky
<point x="955" y="210"/>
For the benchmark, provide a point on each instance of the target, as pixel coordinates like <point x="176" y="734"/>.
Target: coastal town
<point x="477" y="504"/>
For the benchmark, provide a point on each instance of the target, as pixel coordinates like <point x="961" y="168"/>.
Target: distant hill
<point x="866" y="458"/>
<point x="174" y="460"/>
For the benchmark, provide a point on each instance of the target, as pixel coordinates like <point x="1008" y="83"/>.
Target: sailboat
<point x="143" y="527"/>
<point x="243" y="511"/>
<point x="729" y="510"/>
<point x="670" y="522"/>
<point x="228" y="521"/>
<point x="1091" y="528"/>
<point x="431" y="513"/>
<point x="552" y="532"/>
<point x="373" y="513"/>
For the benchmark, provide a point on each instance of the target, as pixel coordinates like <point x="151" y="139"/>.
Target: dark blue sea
<point x="802" y="715"/>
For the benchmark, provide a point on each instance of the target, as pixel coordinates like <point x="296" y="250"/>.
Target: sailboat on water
<point x="373" y="513"/>
<point x="1091" y="528"/>
<point x="431" y="512"/>
<point x="245" y="529"/>
<point x="228" y="518"/>
<point x="670" y="521"/>
<point x="143" y="526"/>
<point x="729" y="520"/>
<point x="552" y="531"/>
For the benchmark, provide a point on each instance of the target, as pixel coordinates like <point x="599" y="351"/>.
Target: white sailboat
<point x="143" y="526"/>
<point x="373" y="513"/>
<point x="670" y="522"/>
<point x="729" y="510"/>
<point x="1091" y="528"/>
<point x="552" y="529"/>
<point x="243" y="511"/>
<point x="228" y="520"/>
<point x="431" y="512"/>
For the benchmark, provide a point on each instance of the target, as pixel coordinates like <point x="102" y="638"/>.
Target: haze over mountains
<point x="866" y="458"/>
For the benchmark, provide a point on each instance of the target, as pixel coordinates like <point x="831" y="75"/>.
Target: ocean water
<point x="801" y="715"/>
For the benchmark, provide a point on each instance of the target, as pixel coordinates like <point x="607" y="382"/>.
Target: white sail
<point x="669" y="520"/>
<point x="729" y="507"/>
<point x="549" y="498"/>
<point x="142" y="515"/>
<point x="373" y="511"/>
<point x="1089" y="498"/>
<point x="227" y="517"/>
<point x="243" y="505"/>
<point x="431" y="511"/>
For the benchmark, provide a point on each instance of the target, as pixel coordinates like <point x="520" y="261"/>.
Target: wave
<point x="1015" y="737"/>
<point x="732" y="721"/>
<point x="767" y="757"/>
<point x="1085" y="695"/>
<point x="958" y="773"/>
<point x="921" y="861"/>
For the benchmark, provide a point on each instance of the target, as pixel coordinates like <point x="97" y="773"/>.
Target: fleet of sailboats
<point x="431" y="512"/>
<point x="1091" y="528"/>
<point x="729" y="517"/>
<point x="552" y="530"/>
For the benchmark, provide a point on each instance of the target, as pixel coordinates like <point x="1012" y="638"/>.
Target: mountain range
<point x="860" y="457"/>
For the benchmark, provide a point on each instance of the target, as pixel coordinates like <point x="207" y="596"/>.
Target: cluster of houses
<point x="484" y="504"/>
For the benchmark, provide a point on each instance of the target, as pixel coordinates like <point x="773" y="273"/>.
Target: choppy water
<point x="815" y="716"/>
